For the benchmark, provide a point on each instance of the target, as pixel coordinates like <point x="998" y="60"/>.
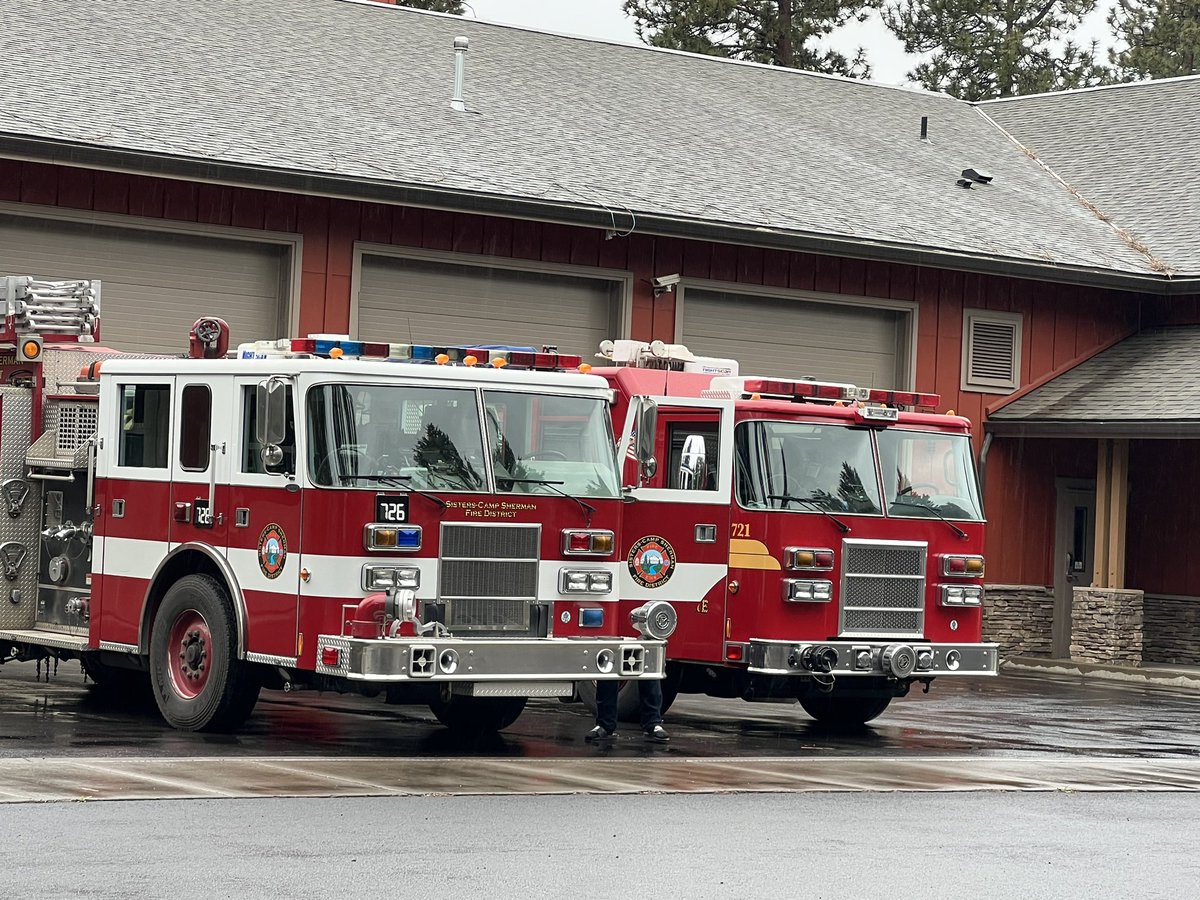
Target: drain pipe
<point x="460" y="65"/>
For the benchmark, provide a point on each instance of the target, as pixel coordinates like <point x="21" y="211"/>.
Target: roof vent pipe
<point x="460" y="64"/>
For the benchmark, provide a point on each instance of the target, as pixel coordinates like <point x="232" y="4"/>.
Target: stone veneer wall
<point x="1107" y="626"/>
<point x="1172" y="631"/>
<point x="1018" y="617"/>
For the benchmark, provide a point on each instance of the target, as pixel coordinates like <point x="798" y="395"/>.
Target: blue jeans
<point x="649" y="692"/>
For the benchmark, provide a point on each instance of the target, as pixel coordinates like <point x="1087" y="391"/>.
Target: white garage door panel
<point x="154" y="284"/>
<point x="767" y="336"/>
<point x="419" y="301"/>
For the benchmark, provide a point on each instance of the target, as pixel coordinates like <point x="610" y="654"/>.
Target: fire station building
<point x="300" y="166"/>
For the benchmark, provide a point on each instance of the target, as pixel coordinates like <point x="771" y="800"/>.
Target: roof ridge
<point x="1157" y="264"/>
<point x="1145" y="82"/>
<point x="398" y="5"/>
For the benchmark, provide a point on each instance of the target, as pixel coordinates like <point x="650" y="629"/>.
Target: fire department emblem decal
<point x="272" y="550"/>
<point x="651" y="561"/>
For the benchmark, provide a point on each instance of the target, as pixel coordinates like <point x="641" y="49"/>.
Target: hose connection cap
<point x="655" y="619"/>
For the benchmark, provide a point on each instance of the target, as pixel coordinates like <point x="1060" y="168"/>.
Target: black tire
<point x="629" y="704"/>
<point x="199" y="683"/>
<point x="852" y="702"/>
<point x="478" y="715"/>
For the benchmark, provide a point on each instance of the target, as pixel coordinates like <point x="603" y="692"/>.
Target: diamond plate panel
<point x="16" y="421"/>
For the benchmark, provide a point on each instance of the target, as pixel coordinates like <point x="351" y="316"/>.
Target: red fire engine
<point x="821" y="542"/>
<point x="319" y="513"/>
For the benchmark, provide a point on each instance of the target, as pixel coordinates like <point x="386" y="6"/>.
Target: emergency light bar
<point x="831" y="391"/>
<point x="334" y="346"/>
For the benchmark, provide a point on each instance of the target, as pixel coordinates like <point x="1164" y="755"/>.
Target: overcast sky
<point x="604" y="19"/>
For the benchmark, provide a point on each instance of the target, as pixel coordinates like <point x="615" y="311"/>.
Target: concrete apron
<point x="41" y="780"/>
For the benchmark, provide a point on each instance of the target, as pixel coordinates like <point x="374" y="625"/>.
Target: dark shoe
<point x="599" y="736"/>
<point x="657" y="734"/>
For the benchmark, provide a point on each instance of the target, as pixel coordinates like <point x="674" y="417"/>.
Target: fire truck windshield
<point x="806" y="467"/>
<point x="363" y="435"/>
<point x="551" y="444"/>
<point x="929" y="474"/>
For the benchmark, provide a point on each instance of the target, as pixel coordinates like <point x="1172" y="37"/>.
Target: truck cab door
<point x="201" y="423"/>
<point x="264" y="537"/>
<point x="675" y="539"/>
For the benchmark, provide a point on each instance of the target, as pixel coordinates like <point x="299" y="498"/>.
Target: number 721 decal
<point x="741" y="530"/>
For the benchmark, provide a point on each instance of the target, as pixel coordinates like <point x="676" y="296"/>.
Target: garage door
<point x="828" y="341"/>
<point x="154" y="285"/>
<point x="418" y="301"/>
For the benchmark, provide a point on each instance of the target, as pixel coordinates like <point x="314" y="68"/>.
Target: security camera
<point x="665" y="284"/>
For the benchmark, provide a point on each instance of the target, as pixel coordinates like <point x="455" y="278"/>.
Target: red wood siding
<point x="1060" y="322"/>
<point x="1163" y="517"/>
<point x="1020" y="503"/>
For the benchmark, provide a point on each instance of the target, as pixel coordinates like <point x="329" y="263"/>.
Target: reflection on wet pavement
<point x="1013" y="715"/>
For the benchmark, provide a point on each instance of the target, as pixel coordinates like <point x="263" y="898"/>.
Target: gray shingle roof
<point x="1149" y="378"/>
<point x="331" y="87"/>
<point x="1132" y="150"/>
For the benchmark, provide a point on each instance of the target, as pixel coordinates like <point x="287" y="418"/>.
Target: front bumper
<point x="494" y="660"/>
<point x="895" y="659"/>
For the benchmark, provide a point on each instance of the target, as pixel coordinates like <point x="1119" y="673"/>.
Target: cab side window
<point x="251" y="454"/>
<point x="692" y="463"/>
<point x="145" y="425"/>
<point x="195" y="427"/>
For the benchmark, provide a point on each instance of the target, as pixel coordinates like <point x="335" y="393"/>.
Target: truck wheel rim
<point x="189" y="652"/>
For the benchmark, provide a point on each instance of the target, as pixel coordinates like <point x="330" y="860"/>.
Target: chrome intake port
<point x="899" y="660"/>
<point x="604" y="661"/>
<point x="448" y="662"/>
<point x="953" y="660"/>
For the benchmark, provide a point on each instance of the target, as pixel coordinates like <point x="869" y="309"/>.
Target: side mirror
<point x="647" y="424"/>
<point x="270" y="419"/>
<point x="693" y="464"/>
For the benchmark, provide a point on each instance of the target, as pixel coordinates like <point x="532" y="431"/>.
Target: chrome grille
<point x="490" y="541"/>
<point x="883" y="588"/>
<point x="488" y="577"/>
<point x="493" y="615"/>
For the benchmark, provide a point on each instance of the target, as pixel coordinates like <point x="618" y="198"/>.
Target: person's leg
<point x="650" y="694"/>
<point x="606" y="705"/>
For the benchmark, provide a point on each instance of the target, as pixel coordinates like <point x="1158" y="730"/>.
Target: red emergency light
<point x="527" y="359"/>
<point x="824" y="390"/>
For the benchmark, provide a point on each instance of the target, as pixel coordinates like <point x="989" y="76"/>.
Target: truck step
<point x="54" y="639"/>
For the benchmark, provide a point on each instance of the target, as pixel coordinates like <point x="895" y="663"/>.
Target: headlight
<point x="655" y="620"/>
<point x="584" y="581"/>
<point x="964" y="595"/>
<point x="386" y="578"/>
<point x="803" y="590"/>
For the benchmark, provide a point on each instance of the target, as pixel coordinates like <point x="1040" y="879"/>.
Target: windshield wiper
<point x="842" y="526"/>
<point x="588" y="509"/>
<point x="397" y="481"/>
<point x="962" y="534"/>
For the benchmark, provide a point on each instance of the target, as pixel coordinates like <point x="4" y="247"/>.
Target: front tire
<point x="473" y="716"/>
<point x="199" y="683"/>
<point x="852" y="702"/>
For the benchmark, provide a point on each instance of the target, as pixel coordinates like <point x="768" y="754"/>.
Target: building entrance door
<point x="1074" y="546"/>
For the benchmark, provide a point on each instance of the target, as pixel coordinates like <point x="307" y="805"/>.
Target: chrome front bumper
<point x="895" y="659"/>
<point x="494" y="660"/>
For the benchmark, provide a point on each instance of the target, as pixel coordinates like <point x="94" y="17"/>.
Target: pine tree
<point x="982" y="49"/>
<point x="776" y="32"/>
<point x="1161" y="38"/>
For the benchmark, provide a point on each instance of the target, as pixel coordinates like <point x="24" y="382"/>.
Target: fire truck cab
<point x="319" y="513"/>
<point x="820" y="542"/>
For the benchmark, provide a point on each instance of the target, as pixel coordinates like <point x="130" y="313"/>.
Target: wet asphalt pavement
<point x="1010" y="716"/>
